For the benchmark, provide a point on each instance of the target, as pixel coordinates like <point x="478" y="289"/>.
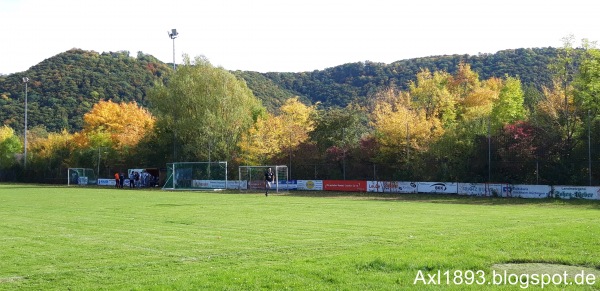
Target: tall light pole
<point x="489" y="136"/>
<point x="173" y="35"/>
<point x="25" y="80"/>
<point x="589" y="147"/>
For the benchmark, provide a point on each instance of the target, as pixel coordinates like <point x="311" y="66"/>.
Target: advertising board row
<point x="401" y="187"/>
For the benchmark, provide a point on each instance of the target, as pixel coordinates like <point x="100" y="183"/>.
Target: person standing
<point x="136" y="176"/>
<point x="117" y="183"/>
<point x="131" y="180"/>
<point x="268" y="180"/>
<point x="121" y="180"/>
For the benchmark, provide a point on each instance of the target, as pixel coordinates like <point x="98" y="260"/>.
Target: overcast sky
<point x="286" y="36"/>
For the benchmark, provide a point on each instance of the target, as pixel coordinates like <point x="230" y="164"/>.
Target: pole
<point x="344" y="152"/>
<point x="407" y="144"/>
<point x="98" y="169"/>
<point x="589" y="148"/>
<point x="25" y="80"/>
<point x="489" y="153"/>
<point x="173" y="34"/>
<point x="290" y="154"/>
<point x="174" y="68"/>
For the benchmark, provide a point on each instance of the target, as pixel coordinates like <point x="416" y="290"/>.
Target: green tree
<point x="339" y="127"/>
<point x="587" y="82"/>
<point x="203" y="110"/>
<point x="338" y="133"/>
<point x="509" y="107"/>
<point x="10" y="146"/>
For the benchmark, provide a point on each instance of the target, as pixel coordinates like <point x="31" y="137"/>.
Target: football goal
<point x="252" y="178"/>
<point x="81" y="176"/>
<point x="196" y="176"/>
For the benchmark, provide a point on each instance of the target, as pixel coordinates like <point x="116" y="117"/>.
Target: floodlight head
<point x="173" y="34"/>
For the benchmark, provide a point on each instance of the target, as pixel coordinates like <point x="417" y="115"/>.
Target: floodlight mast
<point x="25" y="80"/>
<point x="173" y="35"/>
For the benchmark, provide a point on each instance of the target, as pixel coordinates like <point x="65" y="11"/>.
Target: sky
<point x="286" y="36"/>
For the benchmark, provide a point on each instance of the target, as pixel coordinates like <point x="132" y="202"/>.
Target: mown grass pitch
<point x="103" y="238"/>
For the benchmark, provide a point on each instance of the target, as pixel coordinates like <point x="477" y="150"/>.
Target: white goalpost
<point x="252" y="178"/>
<point x="81" y="176"/>
<point x="196" y="176"/>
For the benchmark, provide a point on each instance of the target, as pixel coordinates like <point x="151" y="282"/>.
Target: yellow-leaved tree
<point x="399" y="128"/>
<point x="272" y="134"/>
<point x="117" y="125"/>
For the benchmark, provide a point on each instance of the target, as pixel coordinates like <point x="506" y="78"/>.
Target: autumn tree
<point x="115" y="125"/>
<point x="430" y="93"/>
<point x="275" y="136"/>
<point x="464" y="82"/>
<point x="400" y="129"/>
<point x="51" y="154"/>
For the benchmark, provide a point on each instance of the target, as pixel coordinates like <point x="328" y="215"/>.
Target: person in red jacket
<point x="117" y="180"/>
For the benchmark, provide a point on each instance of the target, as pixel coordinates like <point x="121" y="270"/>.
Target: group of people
<point x="136" y="180"/>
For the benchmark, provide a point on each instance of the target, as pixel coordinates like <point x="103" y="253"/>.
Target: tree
<point x="294" y="123"/>
<point x="517" y="150"/>
<point x="509" y="107"/>
<point x="463" y="82"/>
<point x="277" y="135"/>
<point x="587" y="82"/>
<point x="10" y="146"/>
<point x="399" y="128"/>
<point x="338" y="133"/>
<point x="51" y="154"/>
<point x="430" y="92"/>
<point x="203" y="110"/>
<point x="120" y="124"/>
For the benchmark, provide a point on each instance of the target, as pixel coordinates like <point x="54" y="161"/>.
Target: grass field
<point x="103" y="238"/>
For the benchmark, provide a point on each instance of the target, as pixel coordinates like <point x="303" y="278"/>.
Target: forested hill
<point x="64" y="87"/>
<point x="342" y="84"/>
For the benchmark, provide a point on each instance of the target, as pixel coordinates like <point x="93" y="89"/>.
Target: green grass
<point x="103" y="238"/>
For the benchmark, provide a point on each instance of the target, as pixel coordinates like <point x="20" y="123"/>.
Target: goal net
<point x="81" y="176"/>
<point x="196" y="176"/>
<point x="252" y="178"/>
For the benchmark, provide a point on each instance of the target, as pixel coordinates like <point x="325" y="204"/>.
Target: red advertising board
<point x="343" y="185"/>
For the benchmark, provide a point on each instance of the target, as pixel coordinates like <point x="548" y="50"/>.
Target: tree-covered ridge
<point x="447" y="125"/>
<point x="64" y="87"/>
<point x="340" y="85"/>
<point x="271" y="94"/>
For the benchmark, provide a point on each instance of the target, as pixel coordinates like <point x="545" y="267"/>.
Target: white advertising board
<point x="210" y="184"/>
<point x="83" y="180"/>
<point x="528" y="191"/>
<point x="310" y="185"/>
<point x="391" y="187"/>
<point x="106" y="182"/>
<point x="437" y="187"/>
<point x="236" y="184"/>
<point x="481" y="189"/>
<point x="576" y="192"/>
